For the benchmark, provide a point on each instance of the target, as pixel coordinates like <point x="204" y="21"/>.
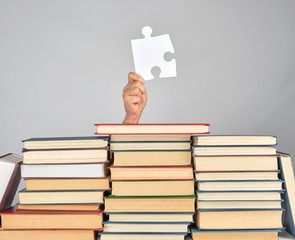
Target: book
<point x="240" y="185"/>
<point x="78" y="170"/>
<point x="155" y="145"/>
<point x="65" y="156"/>
<point x="239" y="195"/>
<point x="238" y="204"/>
<point x="9" y="179"/>
<point x="60" y="207"/>
<point x="145" y="227"/>
<point x="142" y="236"/>
<point x="133" y="138"/>
<point x="66" y="142"/>
<point x="13" y="219"/>
<point x="151" y="172"/>
<point x="47" y="234"/>
<point x="152" y="158"/>
<point x="259" y="234"/>
<point x="239" y="219"/>
<point x="289" y="196"/>
<point x="76" y="184"/>
<point x="153" y="129"/>
<point x="150" y="217"/>
<point x="114" y="204"/>
<point x="238" y="175"/>
<point x="233" y="150"/>
<point x="152" y="187"/>
<point x="60" y="197"/>
<point x="230" y="140"/>
<point x="236" y="163"/>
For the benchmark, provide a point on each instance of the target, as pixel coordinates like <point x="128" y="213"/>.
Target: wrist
<point x="131" y="118"/>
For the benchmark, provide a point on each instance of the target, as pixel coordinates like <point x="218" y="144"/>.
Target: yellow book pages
<point x="47" y="234"/>
<point x="152" y="158"/>
<point x="152" y="188"/>
<point x="67" y="184"/>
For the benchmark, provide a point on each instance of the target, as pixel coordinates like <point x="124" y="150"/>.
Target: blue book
<point x="287" y="174"/>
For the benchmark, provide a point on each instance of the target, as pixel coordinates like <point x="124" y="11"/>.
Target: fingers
<point x="135" y="88"/>
<point x="132" y="76"/>
<point x="132" y="99"/>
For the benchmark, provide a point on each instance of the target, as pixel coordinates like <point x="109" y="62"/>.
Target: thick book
<point x="143" y="227"/>
<point x="67" y="184"/>
<point x="231" y="140"/>
<point x="142" y="236"/>
<point x="233" y="150"/>
<point x="151" y="173"/>
<point x="240" y="185"/>
<point x="82" y="170"/>
<point x="236" y="163"/>
<point x="239" y="195"/>
<point x="115" y="204"/>
<point x="152" y="187"/>
<point x="289" y="196"/>
<point x="250" y="234"/>
<point x="9" y="179"/>
<point x="61" y="197"/>
<point x="150" y="217"/>
<point x="57" y="234"/>
<point x="239" y="218"/>
<point x="13" y="219"/>
<point x="238" y="204"/>
<point x="66" y="142"/>
<point x="153" y="129"/>
<point x="150" y="145"/>
<point x="152" y="158"/>
<point x="59" y="156"/>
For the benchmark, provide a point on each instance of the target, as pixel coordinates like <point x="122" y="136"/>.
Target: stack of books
<point x="238" y="187"/>
<point x="65" y="183"/>
<point x="152" y="181"/>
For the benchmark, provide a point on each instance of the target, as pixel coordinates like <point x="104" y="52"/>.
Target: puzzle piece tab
<point x="149" y="52"/>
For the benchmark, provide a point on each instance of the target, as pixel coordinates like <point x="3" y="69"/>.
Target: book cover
<point x="287" y="174"/>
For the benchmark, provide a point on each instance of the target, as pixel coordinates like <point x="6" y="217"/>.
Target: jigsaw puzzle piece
<point x="149" y="52"/>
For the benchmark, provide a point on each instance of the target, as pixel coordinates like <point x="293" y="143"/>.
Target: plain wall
<point x="64" y="63"/>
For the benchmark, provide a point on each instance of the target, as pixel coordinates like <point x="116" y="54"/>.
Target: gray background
<point x="64" y="63"/>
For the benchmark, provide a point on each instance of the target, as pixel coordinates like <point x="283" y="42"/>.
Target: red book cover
<point x="139" y="126"/>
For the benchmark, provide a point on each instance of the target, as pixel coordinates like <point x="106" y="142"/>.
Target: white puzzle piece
<point x="148" y="52"/>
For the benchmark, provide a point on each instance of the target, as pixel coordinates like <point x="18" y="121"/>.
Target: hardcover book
<point x="179" y="204"/>
<point x="152" y="158"/>
<point x="16" y="220"/>
<point x="78" y="170"/>
<point x="9" y="179"/>
<point x="51" y="156"/>
<point x="230" y="140"/>
<point x="239" y="218"/>
<point x="258" y="234"/>
<point x="289" y="196"/>
<point x="66" y="142"/>
<point x="153" y="187"/>
<point x="61" y="197"/>
<point x="153" y="129"/>
<point x="151" y="173"/>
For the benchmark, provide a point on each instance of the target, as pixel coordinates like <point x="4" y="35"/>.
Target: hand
<point x="135" y="98"/>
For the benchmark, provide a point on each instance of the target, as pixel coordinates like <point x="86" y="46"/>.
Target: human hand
<point x="135" y="98"/>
